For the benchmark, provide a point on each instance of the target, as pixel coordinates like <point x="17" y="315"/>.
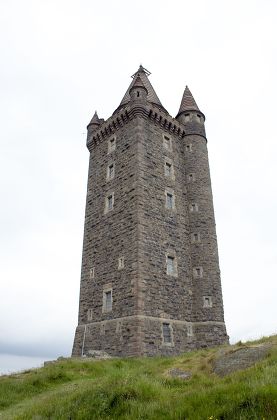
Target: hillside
<point x="183" y="387"/>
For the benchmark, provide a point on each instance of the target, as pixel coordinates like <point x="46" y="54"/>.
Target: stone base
<point x="142" y="336"/>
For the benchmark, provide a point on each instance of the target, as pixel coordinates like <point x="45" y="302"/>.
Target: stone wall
<point x="142" y="230"/>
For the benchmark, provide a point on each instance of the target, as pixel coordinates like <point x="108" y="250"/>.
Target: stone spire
<point x="188" y="103"/>
<point x="141" y="76"/>
<point x="95" y="119"/>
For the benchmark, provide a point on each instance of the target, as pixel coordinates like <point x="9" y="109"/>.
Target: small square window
<point x="120" y="263"/>
<point x="197" y="272"/>
<point x="89" y="314"/>
<point x="110" y="171"/>
<point x="167" y="142"/>
<point x="207" y="302"/>
<point x="111" y="145"/>
<point x="193" y="208"/>
<point x="107" y="301"/>
<point x="167" y="333"/>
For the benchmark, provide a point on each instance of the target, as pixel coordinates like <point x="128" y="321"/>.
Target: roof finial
<point x="141" y="69"/>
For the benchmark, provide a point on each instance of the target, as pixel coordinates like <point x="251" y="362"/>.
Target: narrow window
<point x="109" y="203"/>
<point x="189" y="330"/>
<point x="195" y="237"/>
<point x="191" y="177"/>
<point x="91" y="273"/>
<point x="118" y="328"/>
<point x="171" y="268"/>
<point x="102" y="328"/>
<point x="189" y="147"/>
<point x="120" y="263"/>
<point x="198" y="272"/>
<point x="199" y="117"/>
<point x="193" y="207"/>
<point x="111" y="145"/>
<point x="169" y="200"/>
<point x="107" y="303"/>
<point x="89" y="314"/>
<point x="168" y="169"/>
<point x="137" y="94"/>
<point x="207" y="302"/>
<point x="187" y="117"/>
<point x="167" y="142"/>
<point x="110" y="172"/>
<point x="167" y="336"/>
<point x="170" y="265"/>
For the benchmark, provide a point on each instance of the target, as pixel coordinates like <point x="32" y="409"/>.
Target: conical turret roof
<point x="188" y="102"/>
<point x="142" y="76"/>
<point x="95" y="119"/>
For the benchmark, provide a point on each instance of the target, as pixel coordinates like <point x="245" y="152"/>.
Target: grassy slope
<point x="141" y="389"/>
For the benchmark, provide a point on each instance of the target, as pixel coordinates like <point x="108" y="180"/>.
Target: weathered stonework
<point x="127" y="217"/>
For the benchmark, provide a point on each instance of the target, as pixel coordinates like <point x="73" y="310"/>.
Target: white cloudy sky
<point x="61" y="60"/>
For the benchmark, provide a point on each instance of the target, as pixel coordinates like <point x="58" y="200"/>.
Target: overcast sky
<point x="61" y="60"/>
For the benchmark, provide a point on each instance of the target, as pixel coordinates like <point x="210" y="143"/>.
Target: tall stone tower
<point x="150" y="282"/>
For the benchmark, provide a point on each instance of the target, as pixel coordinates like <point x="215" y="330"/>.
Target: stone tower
<point x="150" y="282"/>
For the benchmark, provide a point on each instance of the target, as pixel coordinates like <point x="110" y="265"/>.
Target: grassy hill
<point x="144" y="388"/>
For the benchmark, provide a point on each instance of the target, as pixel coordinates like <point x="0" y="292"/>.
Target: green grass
<point x="142" y="389"/>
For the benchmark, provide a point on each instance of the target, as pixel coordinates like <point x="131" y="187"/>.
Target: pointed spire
<point x="95" y="122"/>
<point x="188" y="102"/>
<point x="95" y="119"/>
<point x="142" y="74"/>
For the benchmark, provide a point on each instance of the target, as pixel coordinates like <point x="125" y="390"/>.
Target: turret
<point x="207" y="297"/>
<point x="94" y="124"/>
<point x="190" y="115"/>
<point x="138" y="91"/>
